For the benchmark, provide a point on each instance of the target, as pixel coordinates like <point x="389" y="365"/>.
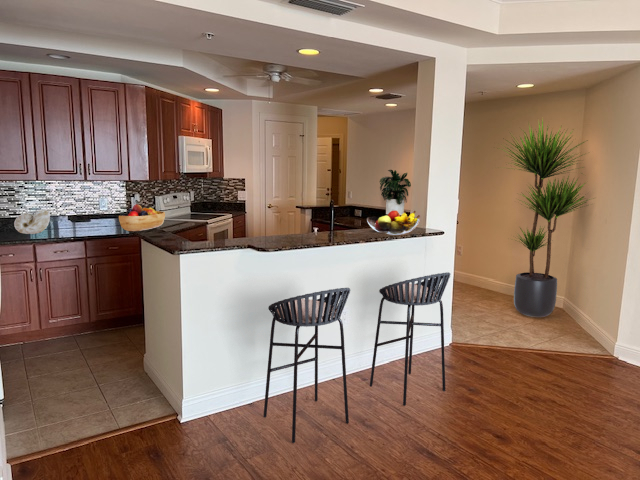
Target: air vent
<point x="327" y="112"/>
<point x="335" y="7"/>
<point x="389" y="96"/>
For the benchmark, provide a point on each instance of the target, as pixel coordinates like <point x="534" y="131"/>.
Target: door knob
<point x="269" y="206"/>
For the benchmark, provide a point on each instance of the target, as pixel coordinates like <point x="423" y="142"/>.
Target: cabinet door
<point x="115" y="286"/>
<point x="215" y="114"/>
<point x="201" y="117"/>
<point x="62" y="292"/>
<point x="105" y="130"/>
<point x="57" y="127"/>
<point x="17" y="160"/>
<point x="198" y="234"/>
<point x="19" y="311"/>
<point x="239" y="227"/>
<point x="185" y="117"/>
<point x="138" y="137"/>
<point x="168" y="136"/>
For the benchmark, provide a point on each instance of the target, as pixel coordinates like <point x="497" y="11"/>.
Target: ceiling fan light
<point x="212" y="90"/>
<point x="308" y="51"/>
<point x="376" y="90"/>
<point x="391" y="105"/>
<point x="58" y="56"/>
<point x="525" y="85"/>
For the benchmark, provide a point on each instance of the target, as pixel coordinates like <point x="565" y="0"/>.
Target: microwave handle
<point x="208" y="156"/>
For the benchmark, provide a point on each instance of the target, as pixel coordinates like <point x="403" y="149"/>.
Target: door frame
<point x="260" y="162"/>
<point x="342" y="179"/>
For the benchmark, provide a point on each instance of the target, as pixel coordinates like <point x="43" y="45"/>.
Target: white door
<point x="323" y="190"/>
<point x="283" y="176"/>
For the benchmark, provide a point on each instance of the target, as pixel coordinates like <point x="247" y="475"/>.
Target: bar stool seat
<point x="310" y="310"/>
<point x="417" y="291"/>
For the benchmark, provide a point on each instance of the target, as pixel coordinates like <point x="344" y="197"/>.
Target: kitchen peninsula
<point x="206" y="308"/>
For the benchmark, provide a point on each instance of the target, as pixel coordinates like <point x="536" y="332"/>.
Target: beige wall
<point x="601" y="232"/>
<point x="490" y="213"/>
<point x="337" y="127"/>
<point x="378" y="143"/>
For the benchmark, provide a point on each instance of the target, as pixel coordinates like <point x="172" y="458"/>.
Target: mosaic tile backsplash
<point x="83" y="198"/>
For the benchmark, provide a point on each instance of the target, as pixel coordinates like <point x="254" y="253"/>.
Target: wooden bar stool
<point x="310" y="310"/>
<point x="417" y="291"/>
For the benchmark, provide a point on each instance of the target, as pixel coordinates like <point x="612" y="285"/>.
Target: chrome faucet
<point x="333" y="215"/>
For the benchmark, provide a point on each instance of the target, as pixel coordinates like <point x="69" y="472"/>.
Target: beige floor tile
<point x="112" y="352"/>
<point x="47" y="347"/>
<point x="135" y="334"/>
<point x="119" y="370"/>
<point x="11" y="353"/>
<point x="71" y="405"/>
<point x="61" y="383"/>
<point x="505" y="320"/>
<point x="18" y="418"/>
<point x="505" y="338"/>
<point x="55" y="363"/>
<point x="543" y="331"/>
<point x="15" y="369"/>
<point x="573" y="343"/>
<point x="23" y="443"/>
<point x="100" y="339"/>
<point x="76" y="429"/>
<point x="473" y="328"/>
<point x="132" y="390"/>
<point x="16" y="390"/>
<point x="141" y="412"/>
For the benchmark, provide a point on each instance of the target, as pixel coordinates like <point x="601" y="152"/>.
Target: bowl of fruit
<point x="393" y="223"/>
<point x="140" y="218"/>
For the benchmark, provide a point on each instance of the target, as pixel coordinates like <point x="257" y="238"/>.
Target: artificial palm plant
<point x="395" y="187"/>
<point x="546" y="154"/>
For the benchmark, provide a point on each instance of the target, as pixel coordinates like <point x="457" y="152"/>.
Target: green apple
<point x="396" y="227"/>
<point x="384" y="219"/>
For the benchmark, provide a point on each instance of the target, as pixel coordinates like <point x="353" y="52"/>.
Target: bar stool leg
<point x="406" y="355"/>
<point x="295" y="386"/>
<point x="344" y="372"/>
<point x="266" y="395"/>
<point x="413" y="310"/>
<point x="442" y="342"/>
<point x="375" y="348"/>
<point x="316" y="363"/>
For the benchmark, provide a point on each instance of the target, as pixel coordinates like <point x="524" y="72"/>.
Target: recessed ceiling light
<point x="525" y="85"/>
<point x="212" y="90"/>
<point x="57" y="56"/>
<point x="308" y="51"/>
<point x="391" y="104"/>
<point x="376" y="90"/>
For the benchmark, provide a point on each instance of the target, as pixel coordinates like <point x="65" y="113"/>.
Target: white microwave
<point x="195" y="154"/>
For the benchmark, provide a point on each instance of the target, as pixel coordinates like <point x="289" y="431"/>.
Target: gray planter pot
<point x="535" y="297"/>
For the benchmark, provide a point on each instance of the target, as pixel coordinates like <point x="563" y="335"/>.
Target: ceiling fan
<point x="275" y="72"/>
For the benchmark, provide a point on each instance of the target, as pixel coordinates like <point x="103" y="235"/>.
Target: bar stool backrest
<point x="417" y="291"/>
<point x="318" y="308"/>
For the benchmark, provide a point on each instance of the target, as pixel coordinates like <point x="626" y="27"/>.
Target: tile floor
<point x="61" y="390"/>
<point x="483" y="317"/>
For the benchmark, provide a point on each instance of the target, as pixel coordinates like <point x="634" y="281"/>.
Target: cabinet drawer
<point x="238" y="221"/>
<point x="16" y="254"/>
<point x="113" y="246"/>
<point x="198" y="234"/>
<point x="59" y="251"/>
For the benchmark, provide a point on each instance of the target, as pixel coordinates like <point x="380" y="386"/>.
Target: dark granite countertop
<point x="65" y="229"/>
<point x="234" y="208"/>
<point x="347" y="222"/>
<point x="177" y="245"/>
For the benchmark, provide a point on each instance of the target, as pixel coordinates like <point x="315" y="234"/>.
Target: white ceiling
<point x="162" y="44"/>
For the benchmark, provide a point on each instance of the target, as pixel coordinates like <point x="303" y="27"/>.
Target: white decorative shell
<point x="32" y="223"/>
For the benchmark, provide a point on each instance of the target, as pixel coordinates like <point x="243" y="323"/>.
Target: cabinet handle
<point x="113" y="248"/>
<point x="40" y="273"/>
<point x="80" y="168"/>
<point x="31" y="274"/>
<point x="7" y="255"/>
<point x="91" y="268"/>
<point x="61" y="251"/>
<point x="89" y="169"/>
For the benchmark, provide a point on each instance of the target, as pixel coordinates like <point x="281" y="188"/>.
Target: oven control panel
<point x="172" y="201"/>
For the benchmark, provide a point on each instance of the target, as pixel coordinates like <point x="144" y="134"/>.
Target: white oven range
<point x="177" y="209"/>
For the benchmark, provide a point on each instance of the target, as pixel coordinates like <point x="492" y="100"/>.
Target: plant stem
<point x="538" y="185"/>
<point x="550" y="230"/>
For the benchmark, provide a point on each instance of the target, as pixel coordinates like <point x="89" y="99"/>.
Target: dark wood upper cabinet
<point x="137" y="132"/>
<point x="168" y="137"/>
<point x="105" y="130"/>
<point x="57" y="127"/>
<point x="17" y="159"/>
<point x="215" y="115"/>
<point x="194" y="118"/>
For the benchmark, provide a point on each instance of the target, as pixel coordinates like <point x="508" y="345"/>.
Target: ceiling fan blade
<point x="254" y="75"/>
<point x="305" y="81"/>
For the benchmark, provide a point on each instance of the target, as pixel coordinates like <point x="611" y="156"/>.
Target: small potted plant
<point x="545" y="154"/>
<point x="395" y="190"/>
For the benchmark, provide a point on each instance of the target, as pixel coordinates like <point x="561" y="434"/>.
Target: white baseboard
<point x="172" y="397"/>
<point x="628" y="354"/>
<point x="282" y="381"/>
<point x="493" y="285"/>
<point x="590" y="326"/>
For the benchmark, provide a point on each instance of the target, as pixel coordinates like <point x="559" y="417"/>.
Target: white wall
<point x="599" y="249"/>
<point x="490" y="213"/>
<point x="378" y="143"/>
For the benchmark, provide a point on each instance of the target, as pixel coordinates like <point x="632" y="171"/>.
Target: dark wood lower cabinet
<point x="239" y="226"/>
<point x="198" y="234"/>
<point x="19" y="307"/>
<point x="115" y="286"/>
<point x="62" y="292"/>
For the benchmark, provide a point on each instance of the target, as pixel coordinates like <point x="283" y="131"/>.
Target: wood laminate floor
<point x="505" y="414"/>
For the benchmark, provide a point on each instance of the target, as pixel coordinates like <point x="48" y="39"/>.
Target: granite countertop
<point x="65" y="229"/>
<point x="348" y="222"/>
<point x="177" y="245"/>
